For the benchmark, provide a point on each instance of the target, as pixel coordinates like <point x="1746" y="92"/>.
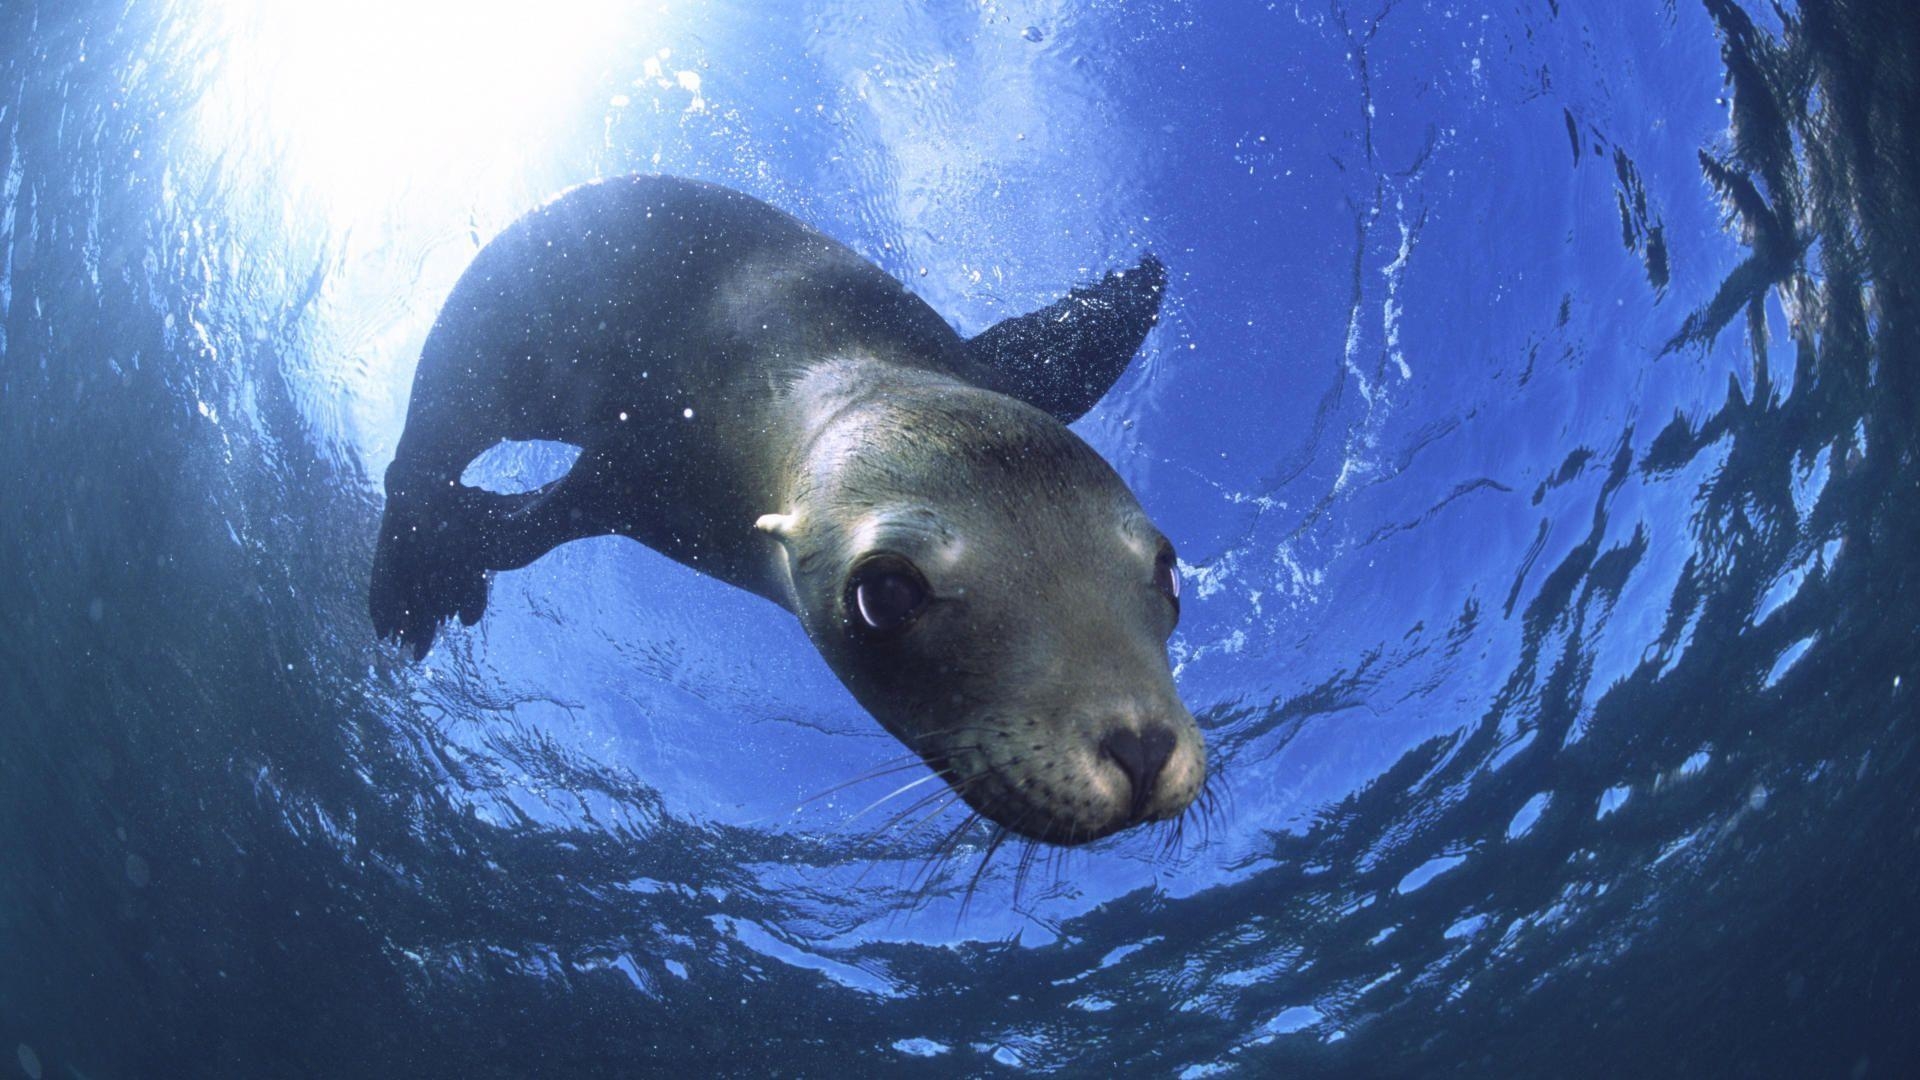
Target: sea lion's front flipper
<point x="1066" y="356"/>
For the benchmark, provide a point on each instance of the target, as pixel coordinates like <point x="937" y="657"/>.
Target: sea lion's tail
<point x="426" y="569"/>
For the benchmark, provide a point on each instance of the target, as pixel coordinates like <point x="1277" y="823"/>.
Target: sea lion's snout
<point x="1142" y="757"/>
<point x="1076" y="775"/>
<point x="1142" y="766"/>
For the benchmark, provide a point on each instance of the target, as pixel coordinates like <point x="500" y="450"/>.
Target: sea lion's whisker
<point x="956" y="791"/>
<point x="923" y="881"/>
<point x="906" y="763"/>
<point x="1026" y="864"/>
<point x="1000" y="835"/>
<point x="930" y="815"/>
<point x="941" y="846"/>
<point x="945" y="845"/>
<point x="916" y="807"/>
<point x="903" y="789"/>
<point x="909" y="762"/>
<point x="1217" y="808"/>
<point x="870" y="837"/>
<point x="981" y="728"/>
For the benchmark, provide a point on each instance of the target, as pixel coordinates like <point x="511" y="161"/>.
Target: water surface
<point x="1534" y="410"/>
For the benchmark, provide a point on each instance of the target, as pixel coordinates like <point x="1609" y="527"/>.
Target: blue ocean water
<point x="1534" y="410"/>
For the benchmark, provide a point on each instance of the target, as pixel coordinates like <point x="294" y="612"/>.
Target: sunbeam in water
<point x="1533" y="408"/>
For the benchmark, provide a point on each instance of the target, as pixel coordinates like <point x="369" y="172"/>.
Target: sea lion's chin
<point x="1069" y="784"/>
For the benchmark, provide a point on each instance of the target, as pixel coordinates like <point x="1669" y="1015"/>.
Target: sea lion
<point x="757" y="401"/>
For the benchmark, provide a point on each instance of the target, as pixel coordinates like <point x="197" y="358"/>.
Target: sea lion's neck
<point x="845" y="388"/>
<point x="826" y="411"/>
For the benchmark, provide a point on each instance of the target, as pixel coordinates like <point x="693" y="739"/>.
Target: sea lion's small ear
<point x="779" y="526"/>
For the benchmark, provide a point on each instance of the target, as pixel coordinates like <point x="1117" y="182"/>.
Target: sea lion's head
<point x="990" y="590"/>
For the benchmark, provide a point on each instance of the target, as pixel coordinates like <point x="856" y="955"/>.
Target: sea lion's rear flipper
<point x="440" y="544"/>
<point x="425" y="570"/>
<point x="1066" y="356"/>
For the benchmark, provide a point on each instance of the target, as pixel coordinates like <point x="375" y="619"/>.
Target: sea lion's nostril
<point x="1141" y="756"/>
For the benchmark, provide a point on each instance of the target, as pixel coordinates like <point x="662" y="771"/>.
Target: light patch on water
<point x="1377" y="981"/>
<point x="1125" y="951"/>
<point x="1259" y="974"/>
<point x="623" y="964"/>
<point x="1529" y="813"/>
<point x="1511" y="935"/>
<point x="1465" y="928"/>
<point x="761" y="940"/>
<point x="1810" y="479"/>
<point x="918" y="1047"/>
<point x="1350" y="469"/>
<point x="1511" y="750"/>
<point x="1783" y="589"/>
<point x="656" y="72"/>
<point x="1684" y="641"/>
<point x="1352" y="353"/>
<point x="1675" y="847"/>
<point x="1427" y="871"/>
<point x="1298" y="580"/>
<point x="1297" y="1018"/>
<point x="1611" y="800"/>
<point x="1390" y="309"/>
<point x="1208" y="579"/>
<point x="1830" y="553"/>
<point x="1788" y="657"/>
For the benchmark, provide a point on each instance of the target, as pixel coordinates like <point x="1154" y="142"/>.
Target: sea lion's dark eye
<point x="1166" y="577"/>
<point x="885" y="593"/>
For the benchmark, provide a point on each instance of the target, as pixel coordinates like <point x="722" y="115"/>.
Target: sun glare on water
<point x="383" y="141"/>
<point x="366" y="105"/>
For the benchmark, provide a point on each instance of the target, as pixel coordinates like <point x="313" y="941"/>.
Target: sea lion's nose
<point x="1141" y="755"/>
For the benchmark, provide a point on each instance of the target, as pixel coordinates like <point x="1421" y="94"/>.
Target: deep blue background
<point x="1534" y="413"/>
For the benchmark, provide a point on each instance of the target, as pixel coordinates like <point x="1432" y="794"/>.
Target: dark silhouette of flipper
<point x="442" y="541"/>
<point x="429" y="566"/>
<point x="1065" y="357"/>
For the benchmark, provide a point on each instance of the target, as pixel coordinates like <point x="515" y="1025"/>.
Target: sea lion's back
<point x="656" y="275"/>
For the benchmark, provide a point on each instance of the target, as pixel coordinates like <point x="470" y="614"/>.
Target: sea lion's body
<point x="720" y="364"/>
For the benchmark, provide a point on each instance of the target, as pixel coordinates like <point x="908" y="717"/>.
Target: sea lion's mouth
<point x="1072" y="789"/>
